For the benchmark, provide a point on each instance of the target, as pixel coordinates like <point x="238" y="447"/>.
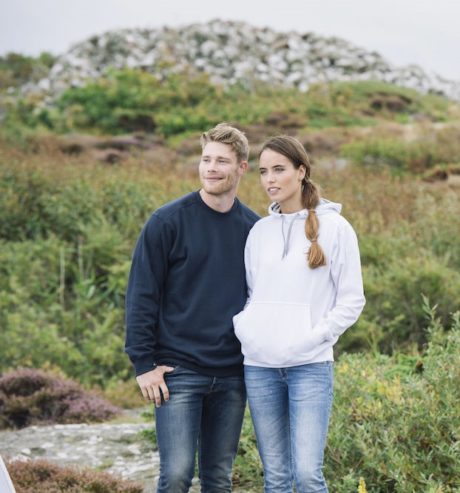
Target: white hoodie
<point x="295" y="314"/>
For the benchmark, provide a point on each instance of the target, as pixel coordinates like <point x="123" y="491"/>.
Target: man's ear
<point x="243" y="167"/>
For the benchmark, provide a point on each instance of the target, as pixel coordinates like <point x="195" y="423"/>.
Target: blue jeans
<point x="204" y="413"/>
<point x="290" y="409"/>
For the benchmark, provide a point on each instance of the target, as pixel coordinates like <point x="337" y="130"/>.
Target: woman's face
<point x="281" y="180"/>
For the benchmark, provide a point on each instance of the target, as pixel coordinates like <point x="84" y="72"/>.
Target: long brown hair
<point x="293" y="150"/>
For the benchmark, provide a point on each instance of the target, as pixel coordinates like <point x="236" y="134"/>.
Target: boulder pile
<point x="233" y="52"/>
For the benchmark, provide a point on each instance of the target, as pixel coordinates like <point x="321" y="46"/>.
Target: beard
<point x="218" y="187"/>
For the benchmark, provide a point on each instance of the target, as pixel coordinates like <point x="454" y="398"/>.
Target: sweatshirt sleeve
<point x="146" y="279"/>
<point x="347" y="278"/>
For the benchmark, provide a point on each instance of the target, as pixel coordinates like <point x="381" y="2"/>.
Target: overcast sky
<point x="425" y="32"/>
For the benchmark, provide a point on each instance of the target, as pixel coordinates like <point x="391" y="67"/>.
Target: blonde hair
<point x="226" y="134"/>
<point x="292" y="149"/>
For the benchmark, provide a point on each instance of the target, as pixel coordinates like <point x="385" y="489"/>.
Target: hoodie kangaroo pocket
<point x="274" y="332"/>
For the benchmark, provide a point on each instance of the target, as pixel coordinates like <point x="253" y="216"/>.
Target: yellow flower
<point x="343" y="368"/>
<point x="362" y="486"/>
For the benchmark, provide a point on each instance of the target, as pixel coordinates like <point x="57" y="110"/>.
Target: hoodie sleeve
<point x="347" y="278"/>
<point x="250" y="263"/>
<point x="146" y="279"/>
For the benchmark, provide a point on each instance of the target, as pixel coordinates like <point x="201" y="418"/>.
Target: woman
<point x="305" y="289"/>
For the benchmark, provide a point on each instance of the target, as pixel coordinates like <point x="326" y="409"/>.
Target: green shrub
<point x="399" y="155"/>
<point x="429" y="149"/>
<point x="394" y="317"/>
<point x="128" y="100"/>
<point x="21" y="192"/>
<point x="62" y="306"/>
<point x="438" y="219"/>
<point x="395" y="420"/>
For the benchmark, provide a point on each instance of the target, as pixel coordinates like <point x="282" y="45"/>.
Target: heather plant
<point x="29" y="396"/>
<point x="40" y="476"/>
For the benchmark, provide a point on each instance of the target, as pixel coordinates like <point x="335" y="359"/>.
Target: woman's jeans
<point x="204" y="413"/>
<point x="290" y="409"/>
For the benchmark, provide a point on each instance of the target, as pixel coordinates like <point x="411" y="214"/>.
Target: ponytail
<point x="310" y="197"/>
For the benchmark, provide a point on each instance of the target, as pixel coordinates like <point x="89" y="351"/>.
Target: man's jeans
<point x="290" y="409"/>
<point x="205" y="413"/>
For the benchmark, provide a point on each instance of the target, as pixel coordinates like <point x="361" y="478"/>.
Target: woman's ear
<point x="302" y="172"/>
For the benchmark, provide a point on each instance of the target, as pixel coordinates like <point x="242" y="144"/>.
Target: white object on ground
<point x="6" y="485"/>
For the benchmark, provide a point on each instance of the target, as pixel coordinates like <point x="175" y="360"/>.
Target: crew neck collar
<point x="235" y="205"/>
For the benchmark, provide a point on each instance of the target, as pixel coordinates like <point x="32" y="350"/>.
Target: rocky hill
<point x="233" y="52"/>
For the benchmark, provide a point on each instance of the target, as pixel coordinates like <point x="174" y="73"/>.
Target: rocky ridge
<point x="231" y="52"/>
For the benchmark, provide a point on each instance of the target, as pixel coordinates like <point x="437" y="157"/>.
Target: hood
<point x="324" y="207"/>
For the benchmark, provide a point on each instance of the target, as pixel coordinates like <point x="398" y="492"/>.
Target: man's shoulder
<point x="250" y="215"/>
<point x="168" y="210"/>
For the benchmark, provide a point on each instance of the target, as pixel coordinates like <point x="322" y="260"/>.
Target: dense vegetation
<point x="394" y="421"/>
<point x="69" y="223"/>
<point x="68" y="228"/>
<point x="130" y="99"/>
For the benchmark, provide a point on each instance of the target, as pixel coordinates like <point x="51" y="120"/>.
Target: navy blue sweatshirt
<point x="187" y="280"/>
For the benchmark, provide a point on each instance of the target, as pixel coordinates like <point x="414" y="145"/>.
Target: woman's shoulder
<point x="263" y="225"/>
<point x="335" y="225"/>
<point x="264" y="222"/>
<point x="333" y="218"/>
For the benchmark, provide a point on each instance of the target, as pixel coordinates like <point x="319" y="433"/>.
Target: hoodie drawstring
<point x="286" y="240"/>
<point x="324" y="207"/>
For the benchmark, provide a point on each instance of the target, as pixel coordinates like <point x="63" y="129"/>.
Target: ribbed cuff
<point x="144" y="365"/>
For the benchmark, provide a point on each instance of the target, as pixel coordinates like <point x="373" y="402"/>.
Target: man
<point x="187" y="281"/>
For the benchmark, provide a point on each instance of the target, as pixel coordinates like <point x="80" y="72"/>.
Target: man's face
<point x="219" y="169"/>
